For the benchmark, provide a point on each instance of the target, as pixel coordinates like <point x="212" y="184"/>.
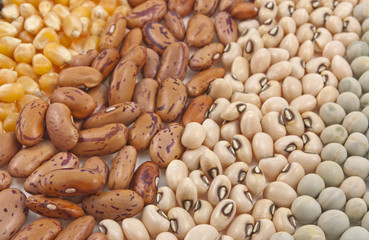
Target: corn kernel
<point x="6" y="62"/>
<point x="41" y="64"/>
<point x="7" y="76"/>
<point x="81" y="11"/>
<point x="108" y="5"/>
<point x="26" y="37"/>
<point x="44" y="7"/>
<point x="27" y="10"/>
<point x="123" y="2"/>
<point x="75" y="3"/>
<point x="26" y="99"/>
<point x="18" y="23"/>
<point x="6" y="29"/>
<point x="124" y="9"/>
<point x="92" y="42"/>
<point x="97" y="26"/>
<point x="73" y="52"/>
<point x="89" y="4"/>
<point x="24" y="52"/>
<point x="85" y="25"/>
<point x="24" y="69"/>
<point x="48" y="82"/>
<point x="8" y="44"/>
<point x="29" y="85"/>
<point x="77" y="44"/>
<point x="72" y="26"/>
<point x="33" y="24"/>
<point x="10" y="12"/>
<point x="57" y="54"/>
<point x="2" y="131"/>
<point x="18" y="2"/>
<point x="6" y="109"/>
<point x="34" y="2"/>
<point x="45" y="36"/>
<point x="11" y="92"/>
<point x="60" y="10"/>
<point x="62" y="2"/>
<point x="10" y="122"/>
<point x="63" y="39"/>
<point x="52" y="20"/>
<point x="99" y="12"/>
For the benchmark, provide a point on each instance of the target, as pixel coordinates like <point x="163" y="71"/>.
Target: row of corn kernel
<point x="37" y="39"/>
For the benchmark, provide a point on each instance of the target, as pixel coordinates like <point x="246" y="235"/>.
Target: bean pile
<point x="268" y="139"/>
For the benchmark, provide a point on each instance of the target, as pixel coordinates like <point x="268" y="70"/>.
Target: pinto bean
<point x="197" y="109"/>
<point x="206" y="7"/>
<point x="132" y="39"/>
<point x="157" y="36"/>
<point x="200" y="31"/>
<point x="79" y="229"/>
<point x="226" y="28"/>
<point x="181" y="7"/>
<point x="84" y="59"/>
<point x="206" y="57"/>
<point x="113" y="33"/>
<point x="106" y="61"/>
<point x="41" y="229"/>
<point x="145" y="94"/>
<point x="9" y="147"/>
<point x="152" y="64"/>
<point x="175" y="25"/>
<point x="146" y="12"/>
<point x="100" y="95"/>
<point x="80" y="76"/>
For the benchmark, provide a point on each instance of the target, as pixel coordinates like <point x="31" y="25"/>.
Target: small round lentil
<point x="364" y="81"/>
<point x="353" y="187"/>
<point x="309" y="232"/>
<point x="357" y="49"/>
<point x="356" y="166"/>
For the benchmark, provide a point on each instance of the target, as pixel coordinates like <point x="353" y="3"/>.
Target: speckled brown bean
<point x="84" y="59"/>
<point x="97" y="165"/>
<point x="143" y="130"/>
<point x="157" y="36"/>
<point x="166" y="145"/>
<point x="145" y="181"/>
<point x="146" y="12"/>
<point x="137" y="55"/>
<point x="181" y="7"/>
<point x="122" y="168"/>
<point x="28" y="159"/>
<point x="206" y="57"/>
<point x="113" y="33"/>
<point x="97" y="236"/>
<point x="5" y="180"/>
<point x="145" y="94"/>
<point x="200" y="31"/>
<point x="171" y="99"/>
<point x="80" y="76"/>
<point x="100" y="95"/>
<point x="124" y="113"/>
<point x="79" y="229"/>
<point x="206" y="7"/>
<point x="174" y="62"/>
<point x="106" y="60"/>
<point x="29" y="129"/>
<point x="8" y="148"/>
<point x="116" y="204"/>
<point x="200" y="82"/>
<point x="228" y="5"/>
<point x="41" y="229"/>
<point x="152" y="64"/>
<point x="175" y="25"/>
<point x="244" y="10"/>
<point x="226" y="28"/>
<point x="53" y="207"/>
<point x="13" y="212"/>
<point x="58" y="161"/>
<point x="196" y="110"/>
<point x="132" y="39"/>
<point x="102" y="140"/>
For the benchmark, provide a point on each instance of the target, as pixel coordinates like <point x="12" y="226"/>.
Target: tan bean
<point x="157" y="36"/>
<point x="145" y="94"/>
<point x="285" y="145"/>
<point x="230" y="52"/>
<point x="154" y="220"/>
<point x="122" y="168"/>
<point x="253" y="44"/>
<point x="98" y="165"/>
<point x="5" y="180"/>
<point x="116" y="204"/>
<point x="313" y="122"/>
<point x="272" y="166"/>
<point x="333" y="48"/>
<point x="223" y="214"/>
<point x="80" y="76"/>
<point x="278" y="55"/>
<point x="266" y="26"/>
<point x="263" y="229"/>
<point x="200" y="31"/>
<point x="263" y="209"/>
<point x="275" y="190"/>
<point x="340" y="67"/>
<point x="262" y="145"/>
<point x="321" y="37"/>
<point x="206" y="7"/>
<point x="152" y="64"/>
<point x="202" y="232"/>
<point x="28" y="159"/>
<point x="288" y="24"/>
<point x="201" y="181"/>
<point x="225" y="153"/>
<point x="298" y="67"/>
<point x="309" y="161"/>
<point x="202" y="212"/>
<point x="300" y="16"/>
<point x="46" y="228"/>
<point x="293" y="121"/>
<point x="226" y="28"/>
<point x="97" y="236"/>
<point x="229" y="129"/>
<point x="250" y="124"/>
<point x="217" y="109"/>
<point x="346" y="38"/>
<point x="242" y="148"/>
<point x="227" y="5"/>
<point x="279" y="71"/>
<point x="132" y="39"/>
<point x="212" y="131"/>
<point x="113" y="33"/>
<point x="84" y="59"/>
<point x="100" y="95"/>
<point x="219" y="189"/>
<point x="197" y="109"/>
<point x="306" y="50"/>
<point x="290" y="43"/>
<point x="140" y="14"/>
<point x="242" y="198"/>
<point x="326" y="95"/>
<point x="101" y="140"/>
<point x="192" y="157"/>
<point x="206" y="56"/>
<point x="180" y="221"/>
<point x="111" y="228"/>
<point x="273" y="37"/>
<point x="244" y="10"/>
<point x="181" y="7"/>
<point x="270" y="89"/>
<point x="304" y="103"/>
<point x="80" y="228"/>
<point x="165" y="199"/>
<point x="291" y="174"/>
<point x="273" y="124"/>
<point x="166" y="236"/>
<point x="241" y="227"/>
<point x="305" y="32"/>
<point x="134" y="229"/>
<point x="255" y="181"/>
<point x="175" y="25"/>
<point x="291" y="88"/>
<point x="260" y="61"/>
<point x="106" y="61"/>
<point x="186" y="194"/>
<point x="268" y="9"/>
<point x="210" y="164"/>
<point x="193" y="135"/>
<point x="319" y="16"/>
<point x="199" y="83"/>
<point x="240" y="69"/>
<point x="9" y="147"/>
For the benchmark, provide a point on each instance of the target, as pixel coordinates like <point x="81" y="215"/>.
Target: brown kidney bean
<point x="80" y="76"/>
<point x="146" y="12"/>
<point x="145" y="181"/>
<point x="84" y="59"/>
<point x="200" y="31"/>
<point x="113" y="33"/>
<point x="152" y="64"/>
<point x="62" y="132"/>
<point x="196" y="110"/>
<point x="5" y="180"/>
<point x="138" y="55"/>
<point x="29" y="129"/>
<point x="207" y="56"/>
<point x="100" y="95"/>
<point x="53" y="207"/>
<point x="134" y="3"/>
<point x="244" y="10"/>
<point x="41" y="229"/>
<point x="58" y="161"/>
<point x="13" y="212"/>
<point x="227" y="5"/>
<point x="132" y="39"/>
<point x="226" y="28"/>
<point x="143" y="130"/>
<point x="206" y="7"/>
<point x="8" y="148"/>
<point x="166" y="145"/>
<point x="145" y="94"/>
<point x="98" y="165"/>
<point x="175" y="25"/>
<point x="80" y="103"/>
<point x="122" y="168"/>
<point x="97" y="236"/>
<point x="171" y="99"/>
<point x="116" y="204"/>
<point x="79" y="229"/>
<point x="200" y="82"/>
<point x="70" y="182"/>
<point x="181" y="7"/>
<point x="101" y="140"/>
<point x="124" y="113"/>
<point x="28" y="159"/>
<point x="157" y="36"/>
<point x="106" y="61"/>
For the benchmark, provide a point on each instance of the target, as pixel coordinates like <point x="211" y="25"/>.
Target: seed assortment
<point x="255" y="114"/>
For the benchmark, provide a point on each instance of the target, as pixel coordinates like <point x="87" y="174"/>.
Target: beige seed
<point x="186" y="194"/>
<point x="212" y="130"/>
<point x="262" y="145"/>
<point x="202" y="212"/>
<point x="263" y="209"/>
<point x="255" y="181"/>
<point x="305" y="32"/>
<point x="250" y="124"/>
<point x="229" y="129"/>
<point x="252" y="45"/>
<point x="217" y="108"/>
<point x="246" y="97"/>
<point x="291" y="88"/>
<point x="247" y="24"/>
<point x="272" y="166"/>
<point x="225" y="153"/>
<point x="306" y="50"/>
<point x="233" y="111"/>
<point x="111" y="229"/>
<point x="180" y="222"/>
<point x="327" y="94"/>
<point x="321" y="37"/>
<point x="317" y="65"/>
<point x="329" y="78"/>
<point x="346" y="38"/>
<point x="220" y="88"/>
<point x="192" y="157"/>
<point x="313" y="122"/>
<point x="133" y="228"/>
<point x="298" y="67"/>
<point x="273" y="104"/>
<point x="287" y="144"/>
<point x="223" y="214"/>
<point x="154" y="220"/>
<point x="312" y="143"/>
<point x="284" y="220"/>
<point x="260" y="61"/>
<point x="312" y="83"/>
<point x="176" y="171"/>
<point x="304" y="103"/>
<point x="293" y="121"/>
<point x="237" y="86"/>
<point x="267" y="10"/>
<point x="343" y="9"/>
<point x="240" y="69"/>
<point x="278" y="55"/>
<point x="309" y="161"/>
<point x="263" y="229"/>
<point x="242" y="197"/>
<point x="332" y="49"/>
<point x="340" y="68"/>
<point x="165" y="199"/>
<point x="166" y="236"/>
<point x="219" y="189"/>
<point x="334" y="24"/>
<point x="271" y="89"/>
<point x="241" y="227"/>
<point x="193" y="135"/>
<point x="290" y="43"/>
<point x="242" y="148"/>
<point x="300" y="16"/>
<point x="202" y="232"/>
<point x="288" y="24"/>
<point x="230" y="52"/>
<point x="272" y="123"/>
<point x="273" y="37"/>
<point x="267" y="26"/>
<point x="201" y="181"/>
<point x="210" y="164"/>
<point x="291" y="174"/>
<point x="245" y="37"/>
<point x="255" y="83"/>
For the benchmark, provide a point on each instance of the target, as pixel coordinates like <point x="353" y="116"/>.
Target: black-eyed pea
<point x="229" y="129"/>
<point x="224" y="237"/>
<point x="268" y="9"/>
<point x="333" y="48"/>
<point x="237" y="86"/>
<point x="341" y="68"/>
<point x="284" y="220"/>
<point x="298" y="67"/>
<point x="346" y="38"/>
<point x="134" y="229"/>
<point x="9" y="147"/>
<point x="219" y="189"/>
<point x="212" y="130"/>
<point x="317" y="65"/>
<point x="48" y="228"/>
<point x="251" y="45"/>
<point x="290" y="43"/>
<point x="220" y="88"/>
<point x="312" y="143"/>
<point x="154" y="220"/>
<point x="309" y="161"/>
<point x="242" y="198"/>
<point x="202" y="232"/>
<point x="260" y="61"/>
<point x="353" y="187"/>
<point x="272" y="166"/>
<point x="263" y="229"/>
<point x="236" y="172"/>
<point x="313" y="122"/>
<point x="240" y="69"/>
<point x="246" y="35"/>
<point x="202" y="212"/>
<point x="272" y="123"/>
<point x="5" y="180"/>
<point x="327" y="94"/>
<point x="273" y="37"/>
<point x="288" y="25"/>
<point x="291" y="174"/>
<point x="223" y="214"/>
<point x="306" y="50"/>
<point x="300" y="15"/>
<point x="210" y="164"/>
<point x="166" y="236"/>
<point x="287" y="144"/>
<point x="263" y="209"/>
<point x="274" y="104"/>
<point x="230" y="52"/>
<point x="241" y="227"/>
<point x="275" y="190"/>
<point x="225" y="153"/>
<point x="180" y="222"/>
<point x="233" y="111"/>
<point x="343" y="9"/>
<point x="266" y="26"/>
<point x="334" y="24"/>
<point x="165" y="198"/>
<point x="262" y="145"/>
<point x="286" y="9"/>
<point x="186" y="194"/>
<point x="293" y="121"/>
<point x="242" y="148"/>
<point x="255" y="83"/>
<point x="329" y="78"/>
<point x="250" y="124"/>
<point x="255" y="181"/>
<point x="270" y="89"/>
<point x="200" y="180"/>
<point x="111" y="229"/>
<point x="280" y="70"/>
<point x="351" y="24"/>
<point x="305" y="32"/>
<point x="176" y="171"/>
<point x="192" y="157"/>
<point x="217" y="109"/>
<point x="321" y="38"/>
<point x="312" y="83"/>
<point x="193" y="135"/>
<point x="81" y="228"/>
<point x="278" y="55"/>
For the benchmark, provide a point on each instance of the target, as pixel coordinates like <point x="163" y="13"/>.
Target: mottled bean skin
<point x="80" y="76"/>
<point x="181" y="7"/>
<point x="116" y="204"/>
<point x="137" y="55"/>
<point x="132" y="39"/>
<point x="196" y="110"/>
<point x="84" y="59"/>
<point x="152" y="64"/>
<point x="79" y="229"/>
<point x="146" y="12"/>
<point x="13" y="212"/>
<point x="97" y="165"/>
<point x="29" y="129"/>
<point x="113" y="33"/>
<point x="244" y="10"/>
<point x="97" y="236"/>
<point x="206" y="7"/>
<point x="5" y="180"/>
<point x="8" y="148"/>
<point x="200" y="31"/>
<point x="157" y="36"/>
<point x="200" y="82"/>
<point x="206" y="57"/>
<point x="226" y="28"/>
<point x="145" y="94"/>
<point x="41" y="229"/>
<point x="100" y="95"/>
<point x="228" y="5"/>
<point x="175" y="25"/>
<point x="106" y="61"/>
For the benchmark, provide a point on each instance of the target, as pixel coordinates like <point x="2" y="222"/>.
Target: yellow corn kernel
<point x="90" y="4"/>
<point x="6" y="62"/>
<point x="48" y="82"/>
<point x="29" y="85"/>
<point x="24" y="69"/>
<point x="10" y="12"/>
<point x="85" y="25"/>
<point x="81" y="11"/>
<point x="44" y="7"/>
<point x="18" y="2"/>
<point x="2" y="131"/>
<point x="124" y="9"/>
<point x="99" y="12"/>
<point x="27" y="10"/>
<point x="26" y="37"/>
<point x="41" y="64"/>
<point x="97" y="26"/>
<point x="73" y="52"/>
<point x="77" y="44"/>
<point x="10" y="122"/>
<point x="57" y="53"/>
<point x="26" y="99"/>
<point x="6" y="29"/>
<point x="63" y="2"/>
<point x="123" y="2"/>
<point x="7" y="76"/>
<point x="8" y="44"/>
<point x="52" y="20"/>
<point x="18" y="23"/>
<point x="60" y="10"/>
<point x="24" y="52"/>
<point x="75" y="3"/>
<point x="63" y="39"/>
<point x="45" y="36"/>
<point x="6" y="2"/>
<point x="92" y="42"/>
<point x="10" y="92"/>
<point x="33" y="24"/>
<point x="6" y="109"/>
<point x="72" y="26"/>
<point x="108" y="5"/>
